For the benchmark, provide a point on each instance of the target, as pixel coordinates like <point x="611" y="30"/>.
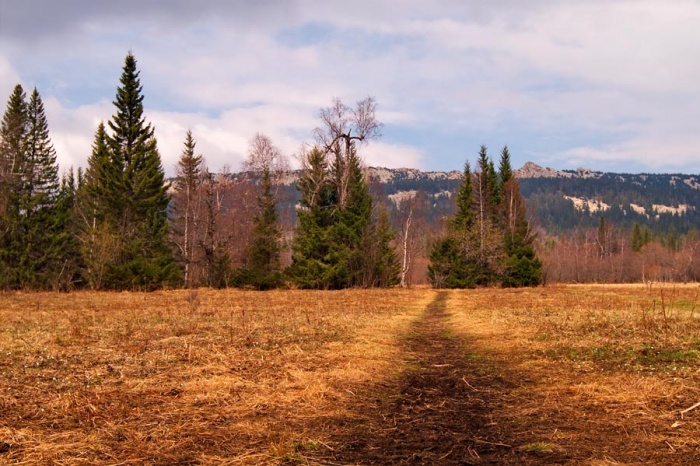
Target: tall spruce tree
<point x="487" y="201"/>
<point x="453" y="258"/>
<point x="97" y="199"/>
<point x="39" y="178"/>
<point x="67" y="271"/>
<point x="637" y="241"/>
<point x="12" y="134"/>
<point x="311" y="261"/>
<point x="522" y="267"/>
<point x="43" y="231"/>
<point x="383" y="268"/>
<point x="340" y="247"/>
<point x="262" y="269"/>
<point x="505" y="170"/>
<point x="353" y="220"/>
<point x="133" y="196"/>
<point x="464" y="217"/>
<point x="33" y="233"/>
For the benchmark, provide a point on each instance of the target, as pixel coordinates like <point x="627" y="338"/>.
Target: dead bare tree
<point x="405" y="247"/>
<point x="343" y="128"/>
<point x="264" y="155"/>
<point x="214" y="235"/>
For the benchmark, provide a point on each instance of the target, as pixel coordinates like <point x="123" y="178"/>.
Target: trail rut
<point x="441" y="410"/>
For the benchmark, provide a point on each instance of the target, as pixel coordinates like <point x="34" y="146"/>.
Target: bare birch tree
<point x="187" y="202"/>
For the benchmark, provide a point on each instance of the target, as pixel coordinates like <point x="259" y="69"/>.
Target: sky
<point x="611" y="85"/>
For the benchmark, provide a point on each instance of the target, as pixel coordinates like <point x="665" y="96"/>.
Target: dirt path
<point x="443" y="410"/>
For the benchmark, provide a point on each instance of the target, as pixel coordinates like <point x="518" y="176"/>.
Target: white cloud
<point x="671" y="154"/>
<point x="223" y="140"/>
<point x="382" y="154"/>
<point x="72" y="130"/>
<point x="602" y="80"/>
<point x="8" y="79"/>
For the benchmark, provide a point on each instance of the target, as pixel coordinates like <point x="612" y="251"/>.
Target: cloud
<point x="72" y="130"/>
<point x="392" y="155"/>
<point x="562" y="81"/>
<point x="224" y="140"/>
<point x="8" y="79"/>
<point x="673" y="155"/>
<point x="42" y="20"/>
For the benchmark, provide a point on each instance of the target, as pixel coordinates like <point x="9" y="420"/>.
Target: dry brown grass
<point x="603" y="372"/>
<point x="184" y="377"/>
<point x="597" y="374"/>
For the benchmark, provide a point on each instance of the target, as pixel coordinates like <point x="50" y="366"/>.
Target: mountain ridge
<point x="559" y="201"/>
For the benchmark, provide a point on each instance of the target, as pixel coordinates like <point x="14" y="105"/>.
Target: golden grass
<point x="606" y="370"/>
<point x="238" y="377"/>
<point x="214" y="377"/>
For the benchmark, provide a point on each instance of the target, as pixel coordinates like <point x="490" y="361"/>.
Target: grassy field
<point x="565" y="374"/>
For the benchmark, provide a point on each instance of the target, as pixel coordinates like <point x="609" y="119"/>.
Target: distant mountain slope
<point x="560" y="201"/>
<point x="662" y="202"/>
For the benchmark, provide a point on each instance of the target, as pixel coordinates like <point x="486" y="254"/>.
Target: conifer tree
<point x="463" y="219"/>
<point x="384" y="270"/>
<point x="352" y="224"/>
<point x="488" y="239"/>
<point x="12" y="134"/>
<point x="67" y="271"/>
<point x="453" y="258"/>
<point x="133" y="196"/>
<point x="522" y="268"/>
<point x="637" y="238"/>
<point x="489" y="236"/>
<point x="338" y="247"/>
<point x="97" y="201"/>
<point x="262" y="265"/>
<point x="310" y="252"/>
<point x="332" y="246"/>
<point x="495" y="191"/>
<point x="449" y="267"/>
<point x="34" y="238"/>
<point x="262" y="269"/>
<point x="42" y="232"/>
<point x="39" y="181"/>
<point x="505" y="170"/>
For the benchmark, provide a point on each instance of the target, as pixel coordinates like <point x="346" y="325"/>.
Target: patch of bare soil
<point x="443" y="410"/>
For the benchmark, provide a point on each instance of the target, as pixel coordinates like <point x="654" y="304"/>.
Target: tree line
<point x="610" y="254"/>
<point x="119" y="224"/>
